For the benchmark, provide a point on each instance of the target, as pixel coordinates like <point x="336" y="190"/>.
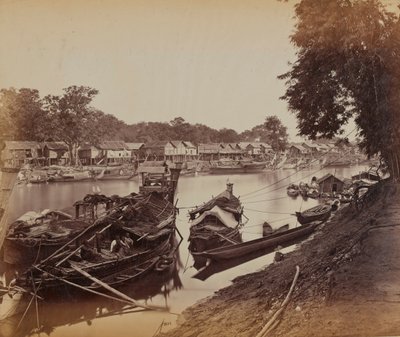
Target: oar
<point x="84" y="288"/>
<point x="113" y="290"/>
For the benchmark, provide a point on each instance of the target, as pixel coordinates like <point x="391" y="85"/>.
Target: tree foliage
<point x="71" y="118"/>
<point x="347" y="66"/>
<point x="272" y="131"/>
<point x="22" y="115"/>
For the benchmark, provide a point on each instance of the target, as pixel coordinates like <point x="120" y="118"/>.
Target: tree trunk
<point x="70" y="152"/>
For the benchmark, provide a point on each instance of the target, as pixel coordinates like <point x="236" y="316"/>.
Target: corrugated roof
<point x="188" y="144"/>
<point x="244" y="145"/>
<point x="157" y="144"/>
<point x="112" y="145"/>
<point x="21" y="145"/>
<point x="209" y="148"/>
<point x="134" y="146"/>
<point x="327" y="176"/>
<point x="56" y="146"/>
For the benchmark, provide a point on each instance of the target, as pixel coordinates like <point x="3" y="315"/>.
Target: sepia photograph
<point x="199" y="168"/>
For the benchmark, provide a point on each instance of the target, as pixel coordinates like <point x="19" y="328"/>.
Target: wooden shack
<point x="329" y="184"/>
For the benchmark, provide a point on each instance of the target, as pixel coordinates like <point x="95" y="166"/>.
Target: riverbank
<point x="348" y="283"/>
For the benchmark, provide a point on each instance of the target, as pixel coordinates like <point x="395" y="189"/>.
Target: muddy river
<point x="175" y="290"/>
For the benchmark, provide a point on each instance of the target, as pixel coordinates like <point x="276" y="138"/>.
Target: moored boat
<point x="115" y="173"/>
<point x="317" y="213"/>
<point x="241" y="249"/>
<point x="36" y="236"/>
<point x="237" y="166"/>
<point x="120" y="246"/>
<point x="216" y="222"/>
<point x="293" y="190"/>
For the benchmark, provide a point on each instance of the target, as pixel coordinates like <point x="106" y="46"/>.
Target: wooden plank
<point x="111" y="289"/>
<point x="7" y="182"/>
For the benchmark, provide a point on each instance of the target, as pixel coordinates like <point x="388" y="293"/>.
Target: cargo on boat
<point x="129" y="240"/>
<point x="217" y="222"/>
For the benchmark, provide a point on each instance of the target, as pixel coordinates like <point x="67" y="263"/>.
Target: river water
<point x="176" y="290"/>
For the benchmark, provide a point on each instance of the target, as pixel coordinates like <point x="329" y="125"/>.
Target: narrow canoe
<point x="242" y="249"/>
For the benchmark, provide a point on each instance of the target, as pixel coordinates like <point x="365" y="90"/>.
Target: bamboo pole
<point x="80" y="246"/>
<point x="84" y="288"/>
<point x="113" y="290"/>
<point x="271" y="323"/>
<point x="7" y="183"/>
<point x="79" y="235"/>
<point x="227" y="239"/>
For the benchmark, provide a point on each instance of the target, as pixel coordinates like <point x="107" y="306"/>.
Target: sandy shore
<point x="349" y="283"/>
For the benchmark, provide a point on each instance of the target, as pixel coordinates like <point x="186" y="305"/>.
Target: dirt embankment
<point x="349" y="283"/>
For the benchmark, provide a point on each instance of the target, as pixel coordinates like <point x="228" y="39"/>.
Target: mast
<point x="175" y="173"/>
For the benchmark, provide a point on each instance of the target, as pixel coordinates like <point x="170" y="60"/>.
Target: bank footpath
<point x="348" y="285"/>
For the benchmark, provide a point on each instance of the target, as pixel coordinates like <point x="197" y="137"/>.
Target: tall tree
<point x="22" y="116"/>
<point x="348" y="66"/>
<point x="275" y="133"/>
<point x="75" y="120"/>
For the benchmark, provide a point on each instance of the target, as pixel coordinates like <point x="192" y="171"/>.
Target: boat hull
<point x="18" y="252"/>
<point x="237" y="170"/>
<point x="199" y="243"/>
<point x="318" y="213"/>
<point x="242" y="249"/>
<point x="103" y="270"/>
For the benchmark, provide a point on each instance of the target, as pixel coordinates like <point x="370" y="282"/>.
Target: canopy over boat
<point x="225" y="217"/>
<point x="225" y="201"/>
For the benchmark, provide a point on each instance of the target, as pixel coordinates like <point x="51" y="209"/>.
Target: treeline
<point x="71" y="118"/>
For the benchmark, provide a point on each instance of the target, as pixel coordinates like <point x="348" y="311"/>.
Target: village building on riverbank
<point x="325" y="152"/>
<point x="17" y="153"/>
<point x="136" y="151"/>
<point x="330" y="184"/>
<point x="56" y="153"/>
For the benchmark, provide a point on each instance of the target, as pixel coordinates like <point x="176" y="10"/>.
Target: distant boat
<point x="115" y="173"/>
<point x="293" y="190"/>
<point x="237" y="166"/>
<point x="72" y="175"/>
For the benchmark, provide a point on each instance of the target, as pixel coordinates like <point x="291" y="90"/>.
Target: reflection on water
<point x="83" y="311"/>
<point x="70" y="315"/>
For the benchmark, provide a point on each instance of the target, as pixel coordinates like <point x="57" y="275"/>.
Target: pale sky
<point x="209" y="61"/>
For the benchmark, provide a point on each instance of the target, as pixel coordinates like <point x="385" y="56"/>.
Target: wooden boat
<point x="34" y="236"/>
<point x="117" y="247"/>
<point x="146" y="287"/>
<point x="244" y="248"/>
<point x="292" y="190"/>
<point x="238" y="166"/>
<point x="115" y="173"/>
<point x="34" y="240"/>
<point x="216" y="222"/>
<point x="313" y="193"/>
<point x="71" y="268"/>
<point x="317" y="213"/>
<point x="71" y="175"/>
<point x="268" y="230"/>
